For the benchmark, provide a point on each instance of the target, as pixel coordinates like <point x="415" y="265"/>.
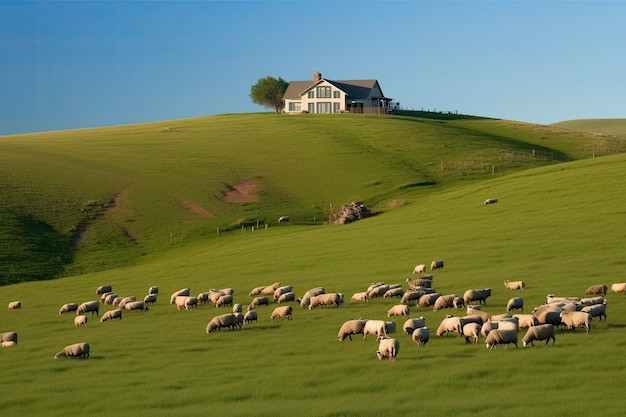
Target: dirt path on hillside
<point x="242" y="192"/>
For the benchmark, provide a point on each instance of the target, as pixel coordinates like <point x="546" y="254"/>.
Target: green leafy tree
<point x="268" y="92"/>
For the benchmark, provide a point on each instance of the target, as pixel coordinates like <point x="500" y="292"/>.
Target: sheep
<point x="282" y="290"/>
<point x="8" y="343"/>
<point x="471" y="319"/>
<point x="514" y="285"/>
<point x="619" y="287"/>
<point x="505" y="324"/>
<point x="110" y="297"/>
<point x="8" y="337"/>
<point x="549" y="316"/>
<point x="420" y="336"/>
<point x="257" y="290"/>
<point x="596" y="289"/>
<point x="269" y="289"/>
<point x="412" y="324"/>
<point x="449" y="324"/>
<point x="388" y="348"/>
<point x="191" y="302"/>
<point x="126" y="300"/>
<point x="351" y="327"/>
<point x="576" y="319"/>
<point x="550" y="298"/>
<point x="102" y="289"/>
<point x="411" y="296"/>
<point x="258" y="301"/>
<point x="238" y="319"/>
<point x="66" y="308"/>
<point x="286" y="297"/>
<point x="88" y="306"/>
<point x="394" y="292"/>
<point x="111" y="314"/>
<point x="80" y="321"/>
<point x="153" y="290"/>
<point x="390" y="327"/>
<point x="398" y="310"/>
<point x="477" y="295"/>
<point x="484" y="316"/>
<point x="419" y="269"/>
<point x="237" y="308"/>
<point x="448" y="301"/>
<point x="150" y="299"/>
<point x="224" y="300"/>
<point x="135" y="305"/>
<point x="75" y="350"/>
<point x="590" y="301"/>
<point x="305" y="300"/>
<point x="596" y="310"/>
<point x="498" y="336"/>
<point x="526" y="320"/>
<point x="516" y="303"/>
<point x="333" y="298"/>
<point x="179" y="293"/>
<point x="227" y="291"/>
<point x="539" y="332"/>
<point x="420" y="282"/>
<point x="471" y="331"/>
<point x="15" y="305"/>
<point x="359" y="297"/>
<point x="490" y="201"/>
<point x="438" y="264"/>
<point x="376" y="327"/>
<point x="224" y="320"/>
<point x="104" y="296"/>
<point x="214" y="295"/>
<point x="282" y="312"/>
<point x="378" y="291"/>
<point x="428" y="300"/>
<point x="497" y="317"/>
<point x="282" y="219"/>
<point x="250" y="316"/>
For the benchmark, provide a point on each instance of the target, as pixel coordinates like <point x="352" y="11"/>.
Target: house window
<point x="295" y="106"/>
<point x="336" y="94"/>
<point x="311" y="94"/>
<point x="323" y="92"/>
<point x="323" y="107"/>
<point x="336" y="107"/>
<point x="311" y="108"/>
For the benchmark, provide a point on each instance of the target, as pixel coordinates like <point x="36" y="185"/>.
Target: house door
<point x="356" y="107"/>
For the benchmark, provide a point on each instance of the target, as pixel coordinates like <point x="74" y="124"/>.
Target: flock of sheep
<point x="541" y="324"/>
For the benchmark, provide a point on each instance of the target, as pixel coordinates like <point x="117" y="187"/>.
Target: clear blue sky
<point x="71" y="64"/>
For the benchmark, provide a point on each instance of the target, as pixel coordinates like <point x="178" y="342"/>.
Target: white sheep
<point x="153" y="290"/>
<point x="287" y="297"/>
<point x="15" y="305"/>
<point x="257" y="290"/>
<point x="596" y="289"/>
<point x="75" y="350"/>
<point x="224" y="300"/>
<point x="8" y="337"/>
<point x="449" y="324"/>
<point x="526" y="320"/>
<point x="394" y="292"/>
<point x="618" y="287"/>
<point x="150" y="299"/>
<point x="80" y="321"/>
<point x="378" y="291"/>
<point x="516" y="303"/>
<point x="135" y="305"/>
<point x="498" y="336"/>
<point x="282" y="312"/>
<point x="102" y="289"/>
<point x="351" y="327"/>
<point x="269" y="289"/>
<point x="539" y="332"/>
<point x="224" y="320"/>
<point x="398" y="310"/>
<point x="237" y="308"/>
<point x="388" y="348"/>
<point x="479" y="295"/>
<point x="88" y="306"/>
<point x="420" y="336"/>
<point x="376" y="327"/>
<point x="419" y="269"/>
<point x="8" y="343"/>
<point x="438" y="264"/>
<point x="327" y="299"/>
<point x="471" y="331"/>
<point x="181" y="302"/>
<point x="359" y="297"/>
<point x="179" y="293"/>
<point x="250" y="316"/>
<point x="108" y="299"/>
<point x="514" y="285"/>
<point x="282" y="290"/>
<point x="484" y="316"/>
<point x="428" y="300"/>
<point x="66" y="308"/>
<point x="596" y="310"/>
<point x="258" y="301"/>
<point x="412" y="324"/>
<point x="111" y="314"/>
<point x="125" y="300"/>
<point x="576" y="319"/>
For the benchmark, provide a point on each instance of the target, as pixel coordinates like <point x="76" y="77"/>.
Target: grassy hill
<point x="88" y="200"/>
<point x="608" y="127"/>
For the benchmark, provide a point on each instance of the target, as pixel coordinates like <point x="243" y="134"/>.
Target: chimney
<point x="317" y="76"/>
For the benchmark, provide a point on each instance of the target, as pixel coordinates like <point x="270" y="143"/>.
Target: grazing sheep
<point x="477" y="295"/>
<point x="419" y="269"/>
<point x="526" y="320"/>
<point x="8" y="343"/>
<point x="250" y="316"/>
<point x="590" y="301"/>
<point x="398" y="310"/>
<point x="109" y="298"/>
<point x="428" y="300"/>
<point x="420" y="336"/>
<point x="282" y="312"/>
<point x="111" y="314"/>
<point x="426" y="281"/>
<point x="179" y="293"/>
<point x="471" y="319"/>
<point x="305" y="300"/>
<point x="596" y="289"/>
<point x="126" y="300"/>
<point x="269" y="289"/>
<point x="576" y="319"/>
<point x="257" y="290"/>
<point x="135" y="306"/>
<point x="484" y="316"/>
<point x="238" y="319"/>
<point x="80" y="321"/>
<point x="499" y="336"/>
<point x="490" y="201"/>
<point x="471" y="331"/>
<point x="282" y="219"/>
<point x="66" y="308"/>
<point x="504" y="324"/>
<point x="224" y="300"/>
<point x="150" y="299"/>
<point x="237" y="308"/>
<point x="448" y="301"/>
<point x="539" y="332"/>
<point x="191" y="302"/>
<point x="412" y="296"/>
<point x="412" y="324"/>
<point x="549" y="316"/>
<point x="514" y="285"/>
<point x="550" y="299"/>
<point x="390" y="327"/>
<point x="8" y="337"/>
<point x="102" y="289"/>
<point x="516" y="303"/>
<point x="282" y="290"/>
<point x="104" y="296"/>
<point x="394" y="292"/>
<point x="351" y="327"/>
<point x="225" y="320"/>
<point x="596" y="310"/>
<point x="76" y="350"/>
<point x="328" y="299"/>
<point x="88" y="306"/>
<point x="497" y="317"/>
<point x="286" y="297"/>
<point x="619" y="287"/>
<point x="388" y="348"/>
<point x="378" y="291"/>
<point x="15" y="305"/>
<point x="376" y="327"/>
<point x="153" y="290"/>
<point x="258" y="301"/>
<point x="438" y="264"/>
<point x="449" y="324"/>
<point x="359" y="297"/>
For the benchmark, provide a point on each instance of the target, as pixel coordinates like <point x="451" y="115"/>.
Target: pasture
<point x="558" y="227"/>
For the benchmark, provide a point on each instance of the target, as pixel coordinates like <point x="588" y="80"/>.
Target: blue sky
<point x="72" y="64"/>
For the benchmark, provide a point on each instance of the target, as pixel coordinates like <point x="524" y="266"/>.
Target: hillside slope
<point x="608" y="127"/>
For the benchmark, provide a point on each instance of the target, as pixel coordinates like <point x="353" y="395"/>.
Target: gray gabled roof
<point x="355" y="89"/>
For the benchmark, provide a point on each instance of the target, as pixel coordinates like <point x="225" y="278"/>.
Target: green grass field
<point x="558" y="226"/>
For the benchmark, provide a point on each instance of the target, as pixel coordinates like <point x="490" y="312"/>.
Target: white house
<point x="335" y="96"/>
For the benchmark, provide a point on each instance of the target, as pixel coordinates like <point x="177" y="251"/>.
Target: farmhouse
<point x="335" y="96"/>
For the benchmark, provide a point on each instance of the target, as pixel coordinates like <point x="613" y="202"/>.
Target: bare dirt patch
<point x="196" y="209"/>
<point x="242" y="192"/>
